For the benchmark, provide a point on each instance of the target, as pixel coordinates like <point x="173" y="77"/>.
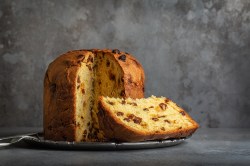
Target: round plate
<point x="38" y="140"/>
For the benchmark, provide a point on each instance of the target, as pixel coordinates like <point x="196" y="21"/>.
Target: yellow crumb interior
<point x="149" y="115"/>
<point x="84" y="94"/>
<point x="99" y="76"/>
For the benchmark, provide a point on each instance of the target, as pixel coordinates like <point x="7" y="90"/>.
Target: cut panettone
<point x="143" y="119"/>
<point x="73" y="83"/>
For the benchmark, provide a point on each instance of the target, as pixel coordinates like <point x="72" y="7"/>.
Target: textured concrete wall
<point x="194" y="52"/>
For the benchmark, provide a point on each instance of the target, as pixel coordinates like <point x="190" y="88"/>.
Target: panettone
<point x="73" y="83"/>
<point x="143" y="119"/>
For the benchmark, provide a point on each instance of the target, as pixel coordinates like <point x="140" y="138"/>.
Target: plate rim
<point x="37" y="140"/>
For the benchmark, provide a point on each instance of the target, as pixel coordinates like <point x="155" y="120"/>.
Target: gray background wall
<point x="194" y="52"/>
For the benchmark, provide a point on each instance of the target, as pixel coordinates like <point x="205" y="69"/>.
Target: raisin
<point x="78" y="79"/>
<point x="111" y="103"/>
<point x="155" y="119"/>
<point x="111" y="76"/>
<point x="163" y="129"/>
<point x="145" y="109"/>
<point x="122" y="57"/>
<point x="182" y="113"/>
<point x="80" y="57"/>
<point x="89" y="67"/>
<point x="134" y="104"/>
<point x="166" y="100"/>
<point x="163" y="116"/>
<point x="85" y="132"/>
<point x="116" y="51"/>
<point x="122" y="93"/>
<point x="123" y="102"/>
<point x="127" y="119"/>
<point x="151" y="107"/>
<point x="78" y="86"/>
<point x="180" y="128"/>
<point x="107" y="63"/>
<point x="83" y="91"/>
<point x="90" y="59"/>
<point x="119" y="113"/>
<point x="163" y="106"/>
<point x="81" y="117"/>
<point x="131" y="116"/>
<point x="137" y="120"/>
<point x="166" y="121"/>
<point x="88" y="123"/>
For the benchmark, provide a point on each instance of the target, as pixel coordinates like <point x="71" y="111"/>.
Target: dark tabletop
<point x="205" y="147"/>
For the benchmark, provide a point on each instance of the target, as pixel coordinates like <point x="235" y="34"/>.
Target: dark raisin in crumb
<point x="137" y="120"/>
<point x="182" y="113"/>
<point x="145" y="109"/>
<point x="127" y="119"/>
<point x="123" y="102"/>
<point x="163" y="116"/>
<point x="80" y="57"/>
<point x="111" y="103"/>
<point x="88" y="123"/>
<point x="122" y="93"/>
<point x="151" y="107"/>
<point x="78" y="79"/>
<point x="107" y="63"/>
<point x="163" y="129"/>
<point x="166" y="121"/>
<point x="163" y="106"/>
<point x="116" y="51"/>
<point x="85" y="132"/>
<point x="81" y="117"/>
<point x="166" y="100"/>
<point x="90" y="59"/>
<point x="119" y="113"/>
<point x="78" y="86"/>
<point x="155" y="119"/>
<point x="111" y="76"/>
<point x="122" y="57"/>
<point x="180" y="128"/>
<point x="134" y="104"/>
<point x="131" y="116"/>
<point x="83" y="91"/>
<point x="89" y="67"/>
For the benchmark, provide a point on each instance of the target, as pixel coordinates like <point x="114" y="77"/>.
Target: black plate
<point x="38" y="140"/>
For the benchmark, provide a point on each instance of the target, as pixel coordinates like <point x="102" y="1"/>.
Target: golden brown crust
<point x="59" y="90"/>
<point x="116" y="130"/>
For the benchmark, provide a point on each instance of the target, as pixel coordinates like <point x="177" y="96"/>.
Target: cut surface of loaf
<point x="143" y="119"/>
<point x="73" y="83"/>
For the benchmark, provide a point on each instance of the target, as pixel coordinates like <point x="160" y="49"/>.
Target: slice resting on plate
<point x="143" y="119"/>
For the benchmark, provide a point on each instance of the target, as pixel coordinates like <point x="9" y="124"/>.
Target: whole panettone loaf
<point x="143" y="119"/>
<point x="73" y="83"/>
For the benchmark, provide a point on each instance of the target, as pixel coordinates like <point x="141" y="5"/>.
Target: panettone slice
<point x="143" y="119"/>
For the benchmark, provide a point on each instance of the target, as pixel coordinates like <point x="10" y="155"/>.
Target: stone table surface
<point x="206" y="147"/>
